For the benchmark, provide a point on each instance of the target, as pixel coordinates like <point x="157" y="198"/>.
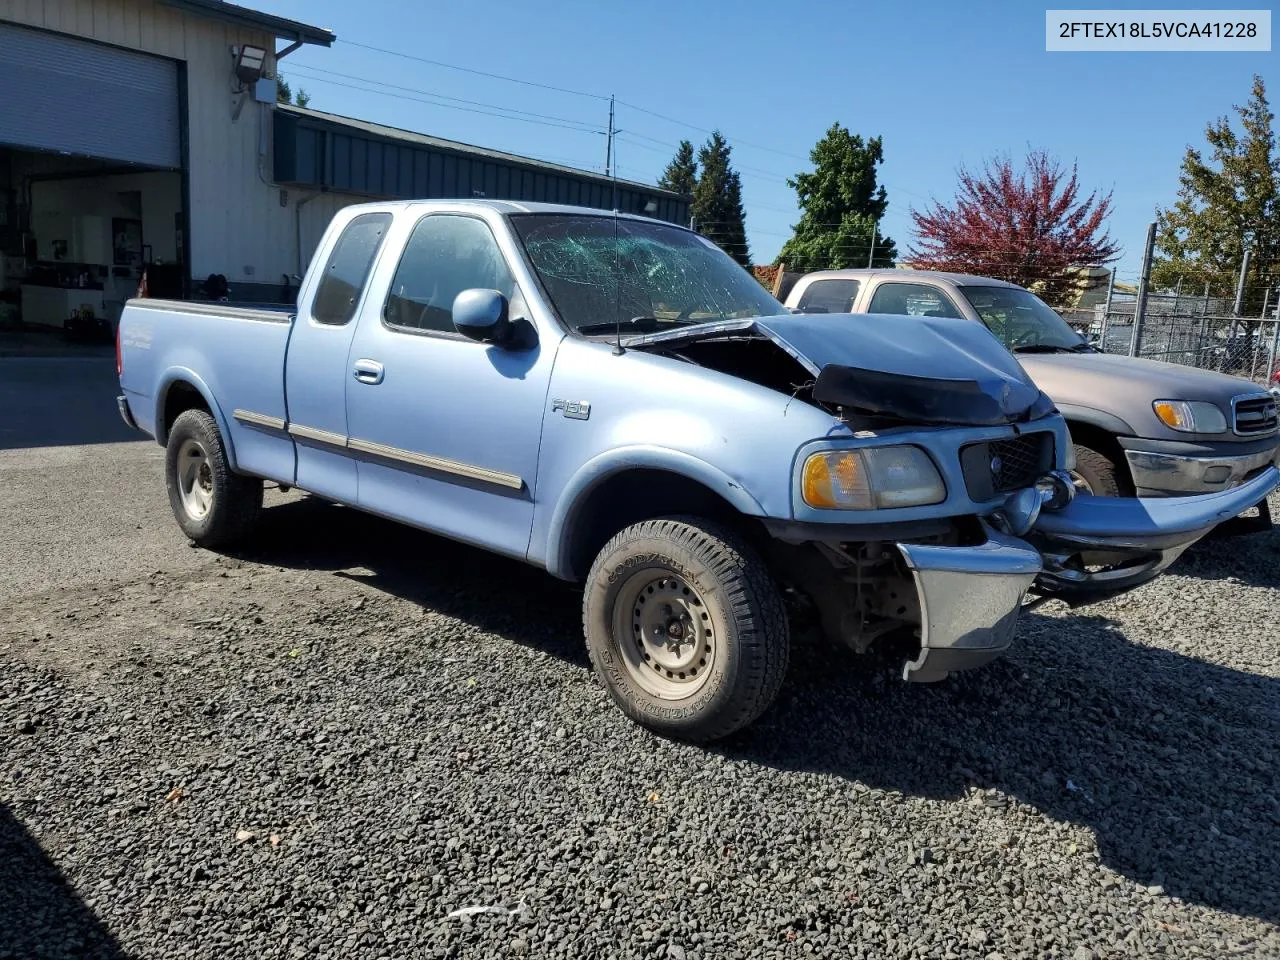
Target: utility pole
<point x="608" y="155"/>
<point x="1244" y="272"/>
<point x="871" y="256"/>
<point x="608" y="143"/>
<point x="1140" y="304"/>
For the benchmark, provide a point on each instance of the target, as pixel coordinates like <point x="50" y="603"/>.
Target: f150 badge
<point x="573" y="409"/>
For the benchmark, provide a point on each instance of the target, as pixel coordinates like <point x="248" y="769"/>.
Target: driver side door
<point x="446" y="429"/>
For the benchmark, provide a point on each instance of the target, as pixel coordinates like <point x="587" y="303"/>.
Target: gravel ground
<point x="322" y="747"/>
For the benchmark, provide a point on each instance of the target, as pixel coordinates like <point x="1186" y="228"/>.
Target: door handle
<point x="368" y="371"/>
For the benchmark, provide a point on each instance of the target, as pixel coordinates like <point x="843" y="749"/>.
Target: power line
<point x="588" y="127"/>
<point x="451" y="106"/>
<point x="478" y="73"/>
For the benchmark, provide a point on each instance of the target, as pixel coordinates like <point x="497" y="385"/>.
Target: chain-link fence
<point x="1196" y="331"/>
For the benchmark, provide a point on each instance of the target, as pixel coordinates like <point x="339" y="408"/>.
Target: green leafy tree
<point x="717" y="200"/>
<point x="841" y="206"/>
<point x="1226" y="202"/>
<point x="681" y="174"/>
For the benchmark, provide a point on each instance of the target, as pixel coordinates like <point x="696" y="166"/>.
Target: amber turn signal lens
<point x="836" y="481"/>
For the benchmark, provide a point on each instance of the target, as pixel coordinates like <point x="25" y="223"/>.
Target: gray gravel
<point x="324" y="746"/>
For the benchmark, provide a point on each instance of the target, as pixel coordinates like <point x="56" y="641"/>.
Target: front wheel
<point x="213" y="505"/>
<point x="1098" y="475"/>
<point x="685" y="628"/>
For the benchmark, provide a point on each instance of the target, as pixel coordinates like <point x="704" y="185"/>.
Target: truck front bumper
<point x="1094" y="547"/>
<point x="970" y="598"/>
<point x="1163" y="468"/>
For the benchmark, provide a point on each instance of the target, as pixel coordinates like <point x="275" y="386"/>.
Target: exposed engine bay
<point x="960" y="376"/>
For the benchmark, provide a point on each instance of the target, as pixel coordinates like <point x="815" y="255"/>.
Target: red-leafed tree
<point x="1031" y="227"/>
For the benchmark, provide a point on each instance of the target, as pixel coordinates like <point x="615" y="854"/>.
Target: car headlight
<point x="871" y="478"/>
<point x="1190" y="416"/>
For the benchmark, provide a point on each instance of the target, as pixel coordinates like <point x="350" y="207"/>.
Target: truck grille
<point x="1000" y="466"/>
<point x="1255" y="416"/>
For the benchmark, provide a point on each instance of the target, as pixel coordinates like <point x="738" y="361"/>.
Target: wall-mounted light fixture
<point x="249" y="63"/>
<point x="651" y="206"/>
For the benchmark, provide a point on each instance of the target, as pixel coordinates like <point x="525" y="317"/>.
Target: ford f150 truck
<point x="1139" y="426"/>
<point x="615" y="400"/>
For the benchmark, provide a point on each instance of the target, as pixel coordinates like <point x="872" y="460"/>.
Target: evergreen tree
<point x="285" y="94"/>
<point x="841" y="207"/>
<point x="717" y="200"/>
<point x="1225" y="203"/>
<point x="681" y="174"/>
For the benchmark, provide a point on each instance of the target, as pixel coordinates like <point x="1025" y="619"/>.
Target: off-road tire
<point x="745" y="611"/>
<point x="235" y="500"/>
<point x="1100" y="472"/>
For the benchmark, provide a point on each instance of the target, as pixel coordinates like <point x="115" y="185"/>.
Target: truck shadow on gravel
<point x="498" y="595"/>
<point x="1253" y="560"/>
<point x="40" y="914"/>
<point x="1171" y="761"/>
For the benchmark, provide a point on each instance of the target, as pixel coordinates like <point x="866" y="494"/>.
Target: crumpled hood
<point x="927" y="368"/>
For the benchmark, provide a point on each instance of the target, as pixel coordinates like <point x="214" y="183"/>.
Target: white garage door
<point x="74" y="96"/>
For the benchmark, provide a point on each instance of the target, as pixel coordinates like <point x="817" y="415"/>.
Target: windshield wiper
<point x="1042" y="348"/>
<point x="605" y="326"/>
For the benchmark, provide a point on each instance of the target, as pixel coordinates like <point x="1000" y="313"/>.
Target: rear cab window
<point x="347" y="270"/>
<point x="829" y="296"/>
<point x="912" y="300"/>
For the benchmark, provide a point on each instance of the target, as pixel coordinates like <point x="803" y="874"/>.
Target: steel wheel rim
<point x="665" y="634"/>
<point x="195" y="479"/>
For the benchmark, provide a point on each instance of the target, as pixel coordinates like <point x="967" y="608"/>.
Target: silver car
<point x="1138" y="426"/>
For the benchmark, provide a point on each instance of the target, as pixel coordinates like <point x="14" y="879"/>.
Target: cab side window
<point x="445" y="255"/>
<point x="829" y="296"/>
<point x="912" y="300"/>
<point x="348" y="269"/>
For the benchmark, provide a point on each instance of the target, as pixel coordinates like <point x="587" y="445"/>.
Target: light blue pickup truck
<point x="613" y="399"/>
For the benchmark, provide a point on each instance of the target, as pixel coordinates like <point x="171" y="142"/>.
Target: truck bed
<point x="234" y="354"/>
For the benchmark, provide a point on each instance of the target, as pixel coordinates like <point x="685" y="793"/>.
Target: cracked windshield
<point x="601" y="273"/>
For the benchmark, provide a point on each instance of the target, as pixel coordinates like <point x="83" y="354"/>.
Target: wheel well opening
<point x="181" y="397"/>
<point x="632" y="496"/>
<point x="1101" y="440"/>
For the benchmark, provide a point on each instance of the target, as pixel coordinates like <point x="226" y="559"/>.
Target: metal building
<point x="146" y="134"/>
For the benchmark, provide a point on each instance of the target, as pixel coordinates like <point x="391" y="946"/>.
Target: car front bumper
<point x="1162" y="468"/>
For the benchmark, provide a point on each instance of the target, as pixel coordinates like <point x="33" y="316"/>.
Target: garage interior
<point x="91" y="180"/>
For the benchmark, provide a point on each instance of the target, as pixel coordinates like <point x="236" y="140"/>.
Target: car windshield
<point x="600" y="271"/>
<point x="1022" y="321"/>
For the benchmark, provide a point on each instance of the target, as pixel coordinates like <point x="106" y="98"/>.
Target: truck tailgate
<point x="233" y="356"/>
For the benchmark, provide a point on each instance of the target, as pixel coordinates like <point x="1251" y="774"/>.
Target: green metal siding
<point x="316" y="154"/>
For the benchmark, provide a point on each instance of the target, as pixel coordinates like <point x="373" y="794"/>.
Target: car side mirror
<point x="482" y="315"/>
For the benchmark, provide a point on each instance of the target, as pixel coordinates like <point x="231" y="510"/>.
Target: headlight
<point x="871" y="478"/>
<point x="1190" y="416"/>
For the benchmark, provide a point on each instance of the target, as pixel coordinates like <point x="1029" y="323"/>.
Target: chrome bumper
<point x="969" y="602"/>
<point x="1101" y="546"/>
<point x="122" y="404"/>
<point x="1167" y="473"/>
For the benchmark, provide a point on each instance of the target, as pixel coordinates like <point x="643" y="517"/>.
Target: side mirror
<point x="482" y="315"/>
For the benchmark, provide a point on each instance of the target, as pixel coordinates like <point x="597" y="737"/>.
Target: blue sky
<point x="944" y="83"/>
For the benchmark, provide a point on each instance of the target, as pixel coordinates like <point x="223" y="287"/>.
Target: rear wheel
<point x="1097" y="474"/>
<point x="213" y="505"/>
<point x="685" y="628"/>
